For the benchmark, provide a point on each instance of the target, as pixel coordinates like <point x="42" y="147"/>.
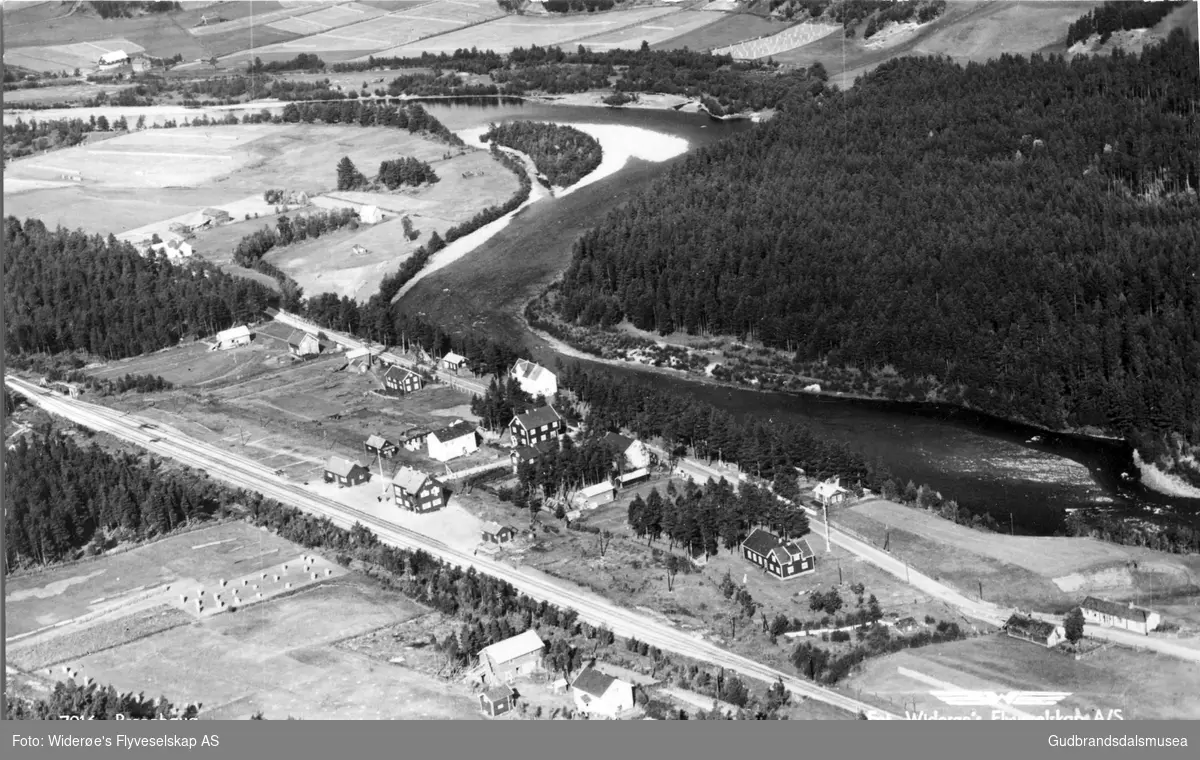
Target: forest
<point x="1019" y="235"/>
<point x="563" y="154"/>
<point x="71" y="701"/>
<point x="302" y="62"/>
<point x="1117" y="16"/>
<point x="64" y="497"/>
<point x="67" y="291"/>
<point x="107" y="9"/>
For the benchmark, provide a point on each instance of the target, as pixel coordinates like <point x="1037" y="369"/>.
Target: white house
<point x="516" y="656"/>
<point x="535" y="379"/>
<point x="598" y="694"/>
<point x="830" y="494"/>
<point x="594" y="495"/>
<point x="370" y="215"/>
<point x="1114" y="615"/>
<point x="453" y="362"/>
<point x="635" y="452"/>
<point x="114" y="58"/>
<point x="175" y="248"/>
<point x="233" y="337"/>
<point x="457" y="440"/>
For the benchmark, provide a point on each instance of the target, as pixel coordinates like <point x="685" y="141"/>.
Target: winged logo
<point x="970" y="698"/>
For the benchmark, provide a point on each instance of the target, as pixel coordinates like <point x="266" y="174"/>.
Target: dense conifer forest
<point x="563" y="154"/>
<point x="71" y="701"/>
<point x="69" y="291"/>
<point x="1115" y="16"/>
<point x="1020" y="233"/>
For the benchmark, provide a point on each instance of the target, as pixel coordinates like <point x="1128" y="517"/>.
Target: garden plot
<point x="793" y="37"/>
<point x="82" y="55"/>
<point x="653" y="32"/>
<point x="502" y="35"/>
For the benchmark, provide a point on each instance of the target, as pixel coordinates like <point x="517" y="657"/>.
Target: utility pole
<point x="828" y="543"/>
<point x="1011" y="530"/>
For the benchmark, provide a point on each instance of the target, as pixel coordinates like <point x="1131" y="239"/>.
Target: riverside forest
<point x="1018" y="237"/>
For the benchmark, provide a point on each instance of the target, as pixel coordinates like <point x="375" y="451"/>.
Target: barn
<point x="519" y="655"/>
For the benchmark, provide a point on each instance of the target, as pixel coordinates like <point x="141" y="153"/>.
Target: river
<point x="983" y="462"/>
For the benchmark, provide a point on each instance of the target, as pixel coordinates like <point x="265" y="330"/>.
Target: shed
<point x="595" y="495"/>
<point x="496" y="533"/>
<point x="453" y="362"/>
<point x="497" y="700"/>
<point x="377" y="444"/>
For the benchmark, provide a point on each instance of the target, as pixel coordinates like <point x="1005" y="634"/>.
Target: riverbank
<point x="653" y="101"/>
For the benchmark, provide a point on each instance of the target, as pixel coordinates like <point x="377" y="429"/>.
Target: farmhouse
<point x="1114" y="615"/>
<point x="114" y="58"/>
<point x="301" y="343"/>
<point x="416" y="491"/>
<point x="453" y="362"/>
<point x="496" y="533"/>
<point x="596" y="693"/>
<point x="830" y="494"/>
<point x="377" y="444"/>
<point x="414" y="440"/>
<point x="233" y="337"/>
<point x="520" y="655"/>
<point x="402" y="379"/>
<point x="595" y="495"/>
<point x="1037" y="631"/>
<point x="496" y="700"/>
<point x="174" y="249"/>
<point x="543" y="424"/>
<point x="782" y="559"/>
<point x="635" y="452"/>
<point x="345" y="472"/>
<point x="370" y="215"/>
<point x="457" y="440"/>
<point x="534" y="379"/>
<point x="530" y="454"/>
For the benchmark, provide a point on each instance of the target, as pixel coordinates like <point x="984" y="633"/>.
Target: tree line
<point x="1116" y="16"/>
<point x="67" y="291"/>
<point x="302" y="62"/>
<point x="563" y="154"/>
<point x="72" y="701"/>
<point x="1011" y="234"/>
<point x="64" y="498"/>
<point x="393" y="173"/>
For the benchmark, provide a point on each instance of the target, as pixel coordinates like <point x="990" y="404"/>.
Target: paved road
<point x="250" y="475"/>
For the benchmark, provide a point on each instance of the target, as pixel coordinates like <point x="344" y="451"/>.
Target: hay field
<point x="63" y="94"/>
<point x="63" y="593"/>
<point x="728" y="29"/>
<point x="327" y="18"/>
<point x="1143" y="685"/>
<point x="82" y="55"/>
<point x="792" y="37"/>
<point x="154" y="175"/>
<point x="653" y="32"/>
<point x="504" y="34"/>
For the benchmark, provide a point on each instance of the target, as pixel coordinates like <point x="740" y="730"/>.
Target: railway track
<point x="245" y="473"/>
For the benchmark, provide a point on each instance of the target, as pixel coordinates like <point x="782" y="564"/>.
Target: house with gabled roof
<point x="516" y="656"/>
<point x="594" y="495"/>
<point x="301" y="343"/>
<point x="600" y="694"/>
<point x="378" y="445"/>
<point x="1115" y="615"/>
<point x="782" y="559"/>
<point x="453" y="362"/>
<point x="232" y="338"/>
<point x="416" y="491"/>
<point x="451" y="442"/>
<point x="830" y="494"/>
<point x="402" y="379"/>
<point x="634" y="451"/>
<point x="543" y="424"/>
<point x="534" y="379"/>
<point x="530" y="454"/>
<point x="1028" y="628"/>
<point x="414" y="439"/>
<point x="345" y="472"/>
<point x="497" y="700"/>
<point x="495" y="533"/>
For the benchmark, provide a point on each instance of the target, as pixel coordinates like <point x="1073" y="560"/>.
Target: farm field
<point x="63" y="94"/>
<point x="792" y="37"/>
<point x="45" y="598"/>
<point x="82" y="55"/>
<point x="653" y="31"/>
<point x="327" y="18"/>
<point x="727" y="30"/>
<point x="1142" y="685"/>
<point x="1020" y="570"/>
<point x="504" y="34"/>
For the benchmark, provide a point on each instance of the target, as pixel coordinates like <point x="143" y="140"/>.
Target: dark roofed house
<point x="496" y="533"/>
<point x="597" y="693"/>
<point x="496" y="700"/>
<point x="635" y="452"/>
<point x="218" y="216"/>
<point x="401" y="379"/>
<point x="414" y="439"/>
<point x="1115" y="615"/>
<point x="529" y="454"/>
<point x="302" y="343"/>
<point x="539" y="425"/>
<point x="345" y="472"/>
<point x="377" y="444"/>
<point x="782" y="559"/>
<point x="1031" y="629"/>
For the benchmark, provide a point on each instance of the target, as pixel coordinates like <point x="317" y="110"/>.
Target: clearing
<point x="727" y="30"/>
<point x="654" y="31"/>
<point x="1143" y="686"/>
<point x="1036" y="571"/>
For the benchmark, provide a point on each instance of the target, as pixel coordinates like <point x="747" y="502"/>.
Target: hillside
<point x="1011" y="236"/>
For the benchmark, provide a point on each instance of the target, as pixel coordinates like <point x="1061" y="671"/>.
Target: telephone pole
<point x="828" y="544"/>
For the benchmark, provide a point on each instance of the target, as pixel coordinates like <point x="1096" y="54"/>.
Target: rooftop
<point x="452" y="432"/>
<point x="538" y="417"/>
<point x="514" y="647"/>
<point x="1116" y="609"/>
<point x="341" y="465"/>
<point x="593" y="682"/>
<point x="617" y="441"/>
<point x="409" y="479"/>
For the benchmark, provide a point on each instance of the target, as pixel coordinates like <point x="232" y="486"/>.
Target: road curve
<point x="247" y="474"/>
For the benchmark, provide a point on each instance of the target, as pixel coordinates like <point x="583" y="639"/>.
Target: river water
<point x="1021" y="475"/>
